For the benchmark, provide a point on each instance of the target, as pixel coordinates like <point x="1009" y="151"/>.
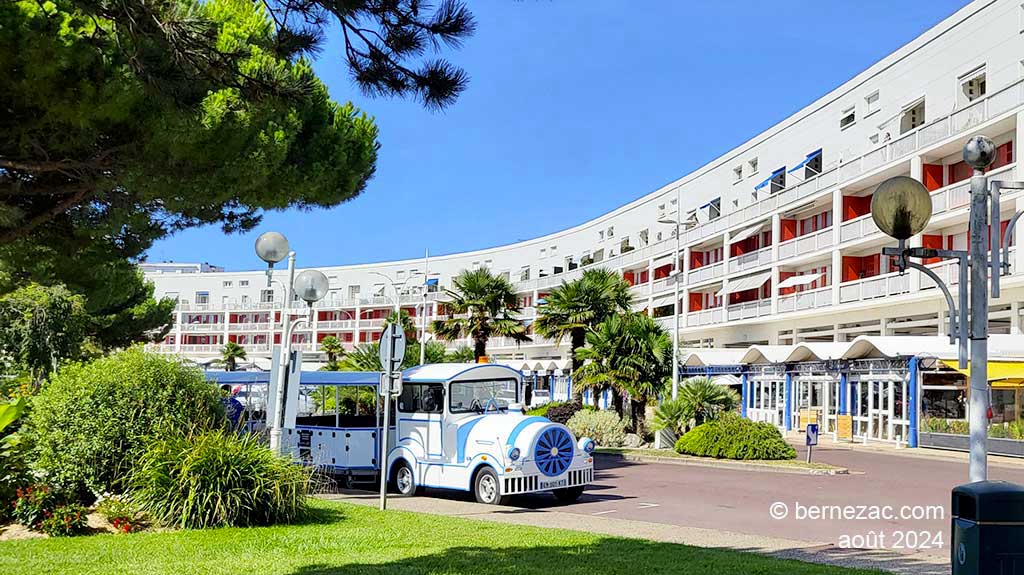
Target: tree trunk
<point x="596" y="398"/>
<point x="479" y="348"/>
<point x="617" y="402"/>
<point x="639" y="416"/>
<point x="577" y="339"/>
<point x="230" y="364"/>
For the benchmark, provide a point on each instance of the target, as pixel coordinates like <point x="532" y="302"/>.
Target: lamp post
<point x="901" y="207"/>
<point x="676" y="278"/>
<point x="398" y="308"/>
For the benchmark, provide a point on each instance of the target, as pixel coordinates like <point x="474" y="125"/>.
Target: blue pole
<point x="568" y="388"/>
<point x="844" y="394"/>
<point x="788" y="415"/>
<point x="746" y="394"/>
<point x="912" y="403"/>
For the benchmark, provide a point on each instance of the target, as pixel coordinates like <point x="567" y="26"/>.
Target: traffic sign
<point x="392" y="348"/>
<point x="812" y="434"/>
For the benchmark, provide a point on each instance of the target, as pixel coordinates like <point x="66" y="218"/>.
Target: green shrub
<point x="33" y="504"/>
<point x="119" y="512"/>
<point x="91" y="421"/>
<point x="998" y="431"/>
<point x="14" y="454"/>
<point x="958" y="427"/>
<point x="563" y="412"/>
<point x="215" y="479"/>
<point x="733" y="437"/>
<point x="1016" y="428"/>
<point x="934" y="425"/>
<point x="604" y="427"/>
<point x="542" y="411"/>
<point x="673" y="415"/>
<point x="65" y="521"/>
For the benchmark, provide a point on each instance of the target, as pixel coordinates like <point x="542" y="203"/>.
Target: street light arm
<point x="1005" y="267"/>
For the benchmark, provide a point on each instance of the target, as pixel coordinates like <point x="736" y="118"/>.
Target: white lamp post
<point x="676" y="279"/>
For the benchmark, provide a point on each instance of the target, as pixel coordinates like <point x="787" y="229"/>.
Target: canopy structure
<point x="745" y="283"/>
<point x="751" y="231"/>
<point x="306" y="377"/>
<point x="801" y="280"/>
<point x="809" y="157"/>
<point x="701" y="357"/>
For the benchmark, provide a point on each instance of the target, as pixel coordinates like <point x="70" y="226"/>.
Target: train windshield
<point x="482" y="396"/>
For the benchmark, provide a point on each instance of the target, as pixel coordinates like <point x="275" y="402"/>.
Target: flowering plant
<point x="65" y="521"/>
<point x="33" y="504"/>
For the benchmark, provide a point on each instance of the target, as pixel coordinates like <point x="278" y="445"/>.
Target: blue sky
<point x="573" y="109"/>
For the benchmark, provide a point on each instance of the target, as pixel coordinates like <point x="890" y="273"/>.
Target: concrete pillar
<point x="745" y="387"/>
<point x="837" y="273"/>
<point x="1017" y="257"/>
<point x="837" y="215"/>
<point x="943" y="329"/>
<point x="775" y="290"/>
<point x="787" y="416"/>
<point x="1014" y="318"/>
<point x="178" y="333"/>
<point x="883" y="327"/>
<point x="776" y="235"/>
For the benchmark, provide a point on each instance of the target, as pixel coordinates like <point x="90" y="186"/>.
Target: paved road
<point x="740" y="501"/>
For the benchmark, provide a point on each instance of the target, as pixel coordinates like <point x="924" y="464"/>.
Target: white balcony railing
<point x="704" y="273"/>
<point x="336" y="324"/>
<point x="806" y="244"/>
<point x="750" y="260"/>
<point x="202" y="327"/>
<point x="958" y="195"/>
<point x="857" y="228"/>
<point x="706" y="316"/>
<point x="642" y="290"/>
<point x="807" y="299"/>
<point x="200" y="348"/>
<point x="250" y="326"/>
<point x="748" y="310"/>
<point x="885" y="285"/>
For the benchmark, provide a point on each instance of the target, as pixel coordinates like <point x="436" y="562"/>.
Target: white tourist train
<point x="462" y="427"/>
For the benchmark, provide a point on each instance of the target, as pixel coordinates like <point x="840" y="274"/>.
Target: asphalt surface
<point x="861" y="510"/>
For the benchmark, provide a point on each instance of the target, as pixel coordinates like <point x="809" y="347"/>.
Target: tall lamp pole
<point x="676" y="279"/>
<point x="901" y="207"/>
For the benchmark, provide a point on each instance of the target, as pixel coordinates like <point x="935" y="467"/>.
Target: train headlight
<point x="514" y="454"/>
<point x="587" y="445"/>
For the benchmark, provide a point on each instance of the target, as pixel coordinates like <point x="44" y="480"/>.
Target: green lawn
<point x="343" y="539"/>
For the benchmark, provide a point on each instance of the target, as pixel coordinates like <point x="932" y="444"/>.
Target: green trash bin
<point x="988" y="529"/>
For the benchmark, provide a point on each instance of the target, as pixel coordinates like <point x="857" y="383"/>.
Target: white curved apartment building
<point x="783" y="249"/>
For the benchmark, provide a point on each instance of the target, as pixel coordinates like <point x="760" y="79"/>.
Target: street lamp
<point x="676" y="278"/>
<point x="272" y="247"/>
<point x="901" y="207"/>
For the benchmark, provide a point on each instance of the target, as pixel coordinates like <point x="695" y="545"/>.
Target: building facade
<point x="775" y="242"/>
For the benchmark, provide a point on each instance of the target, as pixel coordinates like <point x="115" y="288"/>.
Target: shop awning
<point x="743" y="284"/>
<point x="746" y="233"/>
<point x="1000" y="373"/>
<point x="794" y="281"/>
<point x="809" y="157"/>
<point x="768" y="180"/>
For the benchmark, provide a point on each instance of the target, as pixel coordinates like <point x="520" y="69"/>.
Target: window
<point x="600" y="236"/>
<point x="813" y="166"/>
<point x="871" y="103"/>
<point x="873" y="138"/>
<point x="524" y="274"/>
<point x="245" y="300"/>
<point x="543" y="253"/>
<point x="972" y="86"/>
<point x="737" y="173"/>
<point x="266" y="296"/>
<point x="226" y="283"/>
<point x="421" y="398"/>
<point x="481" y="396"/>
<point x="752" y="164"/>
<point x="848" y="118"/>
<point x="611" y="232"/>
<point x="912" y="116"/>
<point x="736" y="203"/>
<point x="243" y="283"/>
<point x="202" y="297"/>
<point x="643" y="235"/>
<point x="488" y="263"/>
<point x="715" y="209"/>
<point x="353" y="291"/>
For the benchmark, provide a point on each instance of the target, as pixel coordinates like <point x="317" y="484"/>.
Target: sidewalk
<point x="826" y="444"/>
<point x="811" y="552"/>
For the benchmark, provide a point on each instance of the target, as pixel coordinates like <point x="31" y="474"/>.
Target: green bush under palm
<point x="733" y="437"/>
<point x="701" y="400"/>
<point x="91" y="421"/>
<point x="216" y="479"/>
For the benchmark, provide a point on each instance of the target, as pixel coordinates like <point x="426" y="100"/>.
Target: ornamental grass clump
<point x="733" y="437"/>
<point x="217" y="479"/>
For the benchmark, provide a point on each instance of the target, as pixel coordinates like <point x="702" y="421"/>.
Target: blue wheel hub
<point x="553" y="452"/>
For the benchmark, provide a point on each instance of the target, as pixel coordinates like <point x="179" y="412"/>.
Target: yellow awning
<point x="1000" y="373"/>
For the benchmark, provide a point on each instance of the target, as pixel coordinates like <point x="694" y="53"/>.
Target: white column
<point x="178" y="330"/>
<point x="775" y="289"/>
<point x="1015" y="318"/>
<point x="837" y="215"/>
<point x="359" y="315"/>
<point x="684" y="306"/>
<point x="837" y="274"/>
<point x="916" y="172"/>
<point x="883" y="326"/>
<point x="943" y="318"/>
<point x="776" y="235"/>
<point x="1018" y="231"/>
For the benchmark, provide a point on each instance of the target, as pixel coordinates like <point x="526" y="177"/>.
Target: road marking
<point x="604" y="512"/>
<point x="647" y="505"/>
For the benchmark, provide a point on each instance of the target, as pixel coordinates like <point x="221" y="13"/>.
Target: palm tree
<point x="230" y="354"/>
<point x="408" y="325"/>
<point x="366" y="357"/>
<point x="629" y="354"/>
<point x="575" y="308"/>
<point x="702" y="400"/>
<point x="489" y="303"/>
<point x="461" y="354"/>
<point x="331" y="346"/>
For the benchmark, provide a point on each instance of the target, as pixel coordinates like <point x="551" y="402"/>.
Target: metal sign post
<point x="392" y="352"/>
<point x="812" y="439"/>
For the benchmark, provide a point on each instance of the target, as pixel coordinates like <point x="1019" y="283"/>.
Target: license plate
<point x="554" y="484"/>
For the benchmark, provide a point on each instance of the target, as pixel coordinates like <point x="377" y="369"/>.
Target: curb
<point x="720" y="464"/>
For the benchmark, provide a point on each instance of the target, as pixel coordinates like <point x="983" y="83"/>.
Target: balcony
<point x="706" y="272"/>
<point x="748" y="310"/>
<point x="496" y="342"/>
<point x="807" y="299"/>
<point x="204" y="327"/>
<point x="857" y="228"/>
<point x="705" y="316"/>
<point x="958" y="195"/>
<point x="250" y="326"/>
<point x="750" y="260"/>
<point x="336" y="324"/>
<point x="200" y="348"/>
<point x="806" y="244"/>
<point x="884" y="285"/>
